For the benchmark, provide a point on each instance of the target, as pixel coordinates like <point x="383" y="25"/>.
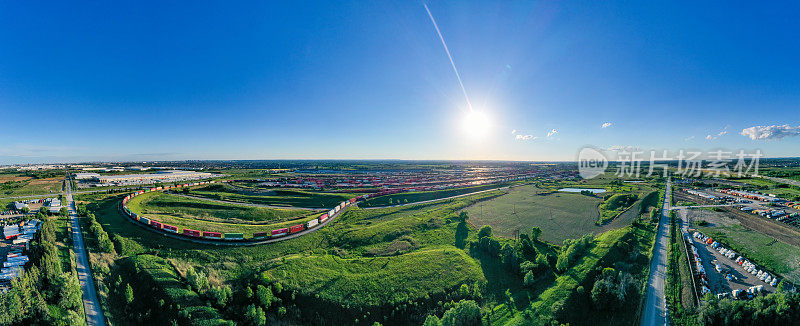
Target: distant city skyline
<point x="150" y="81"/>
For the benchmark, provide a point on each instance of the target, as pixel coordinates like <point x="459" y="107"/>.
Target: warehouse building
<point x="161" y="176"/>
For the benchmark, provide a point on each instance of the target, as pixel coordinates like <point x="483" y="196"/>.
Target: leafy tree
<point x="128" y="294"/>
<point x="221" y="295"/>
<point x="432" y="321"/>
<point x="463" y="313"/>
<point x="462" y="231"/>
<point x="63" y="212"/>
<point x="264" y="295"/>
<point x="197" y="280"/>
<point x="485" y="231"/>
<point x="535" y="233"/>
<point x="529" y="279"/>
<point x="255" y="315"/>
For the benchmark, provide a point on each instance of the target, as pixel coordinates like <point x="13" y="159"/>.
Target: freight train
<point x="257" y="236"/>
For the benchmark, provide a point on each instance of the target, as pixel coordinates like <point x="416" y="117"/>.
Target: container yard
<point x="724" y="272"/>
<point x="13" y="250"/>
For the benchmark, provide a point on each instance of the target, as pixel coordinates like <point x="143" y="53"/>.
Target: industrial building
<point x="160" y="176"/>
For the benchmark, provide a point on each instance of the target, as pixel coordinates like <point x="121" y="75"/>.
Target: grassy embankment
<point x="275" y="197"/>
<point x="204" y="215"/>
<point x="365" y="246"/>
<point x="418" y="196"/>
<point x="679" y="286"/>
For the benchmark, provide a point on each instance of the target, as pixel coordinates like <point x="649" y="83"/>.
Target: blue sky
<point x="370" y="79"/>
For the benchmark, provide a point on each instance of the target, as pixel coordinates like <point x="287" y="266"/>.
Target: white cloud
<point x="525" y="137"/>
<point x="551" y="132"/>
<point x="771" y="132"/>
<point x="689" y="138"/>
<point x="618" y="148"/>
<point x="722" y="133"/>
<point x="513" y="131"/>
<point x="709" y="137"/>
<point x="606" y="125"/>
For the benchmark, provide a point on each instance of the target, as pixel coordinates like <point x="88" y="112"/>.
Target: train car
<point x="234" y="236"/>
<point x="312" y="223"/>
<point x="156" y="224"/>
<point x="144" y="220"/>
<point x="134" y="216"/>
<point x="323" y="217"/>
<point x="170" y="228"/>
<point x="279" y="232"/>
<point x="331" y="212"/>
<point x="353" y="200"/>
<point x="261" y="235"/>
<point x="296" y="228"/>
<point x="191" y="233"/>
<point x="212" y="235"/>
<point x="153" y="189"/>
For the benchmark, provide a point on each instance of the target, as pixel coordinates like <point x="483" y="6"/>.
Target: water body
<point x="593" y="190"/>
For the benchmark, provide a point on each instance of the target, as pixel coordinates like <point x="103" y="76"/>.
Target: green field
<point x="559" y="215"/>
<point x="400" y="262"/>
<point x="29" y="187"/>
<point x="272" y="197"/>
<point x="366" y="282"/>
<point x="204" y="215"/>
<point x="418" y="196"/>
<point x="774" y="255"/>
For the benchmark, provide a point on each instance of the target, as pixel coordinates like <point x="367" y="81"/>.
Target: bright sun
<point x="476" y="124"/>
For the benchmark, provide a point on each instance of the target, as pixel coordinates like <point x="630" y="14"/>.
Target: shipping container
<point x="312" y="223"/>
<point x="296" y="228"/>
<point x="144" y="220"/>
<point x="155" y="224"/>
<point x="212" y="235"/>
<point x="261" y="235"/>
<point x="279" y="232"/>
<point x="191" y="233"/>
<point x="234" y="236"/>
<point x="323" y="217"/>
<point x="170" y="228"/>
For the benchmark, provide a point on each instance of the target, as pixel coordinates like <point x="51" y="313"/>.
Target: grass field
<point x="378" y="281"/>
<point x="608" y="249"/>
<point x="24" y="186"/>
<point x="273" y="197"/>
<point x="204" y="215"/>
<point x="559" y="215"/>
<point x="776" y="256"/>
<point x="418" y="196"/>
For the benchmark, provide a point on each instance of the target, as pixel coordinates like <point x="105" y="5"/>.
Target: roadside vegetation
<point x="48" y="291"/>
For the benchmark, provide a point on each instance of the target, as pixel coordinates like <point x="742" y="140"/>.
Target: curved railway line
<point x="267" y="236"/>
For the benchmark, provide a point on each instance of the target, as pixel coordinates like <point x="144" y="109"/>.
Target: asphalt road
<point x="655" y="306"/>
<point x="91" y="305"/>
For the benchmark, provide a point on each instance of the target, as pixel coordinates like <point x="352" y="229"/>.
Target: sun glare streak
<point x="452" y="63"/>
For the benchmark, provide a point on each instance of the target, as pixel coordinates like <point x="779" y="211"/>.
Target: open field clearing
<point x="167" y="204"/>
<point x="377" y="281"/>
<point x="204" y="215"/>
<point x="30" y="187"/>
<point x="419" y="196"/>
<point x="272" y="197"/>
<point x="559" y="215"/>
<point x="777" y="256"/>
